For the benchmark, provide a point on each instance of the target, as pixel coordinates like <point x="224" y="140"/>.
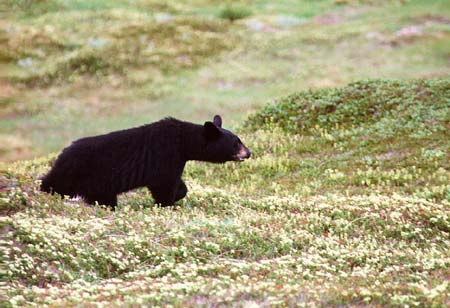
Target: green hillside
<point x="346" y="202"/>
<point x="75" y="68"/>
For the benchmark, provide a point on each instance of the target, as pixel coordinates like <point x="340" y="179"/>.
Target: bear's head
<point x="221" y="144"/>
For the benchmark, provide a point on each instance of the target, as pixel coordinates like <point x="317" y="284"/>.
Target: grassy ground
<point x="345" y="201"/>
<point x="74" y="68"/>
<point x="340" y="210"/>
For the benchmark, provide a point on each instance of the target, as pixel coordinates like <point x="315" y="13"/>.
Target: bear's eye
<point x="236" y="144"/>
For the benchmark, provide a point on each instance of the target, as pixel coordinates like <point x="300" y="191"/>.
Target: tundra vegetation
<point x="346" y="200"/>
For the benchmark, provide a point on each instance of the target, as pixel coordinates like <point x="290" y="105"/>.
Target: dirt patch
<point x="7" y="97"/>
<point x="6" y="90"/>
<point x="427" y="18"/>
<point x="390" y="155"/>
<point x="328" y="19"/>
<point x="13" y="147"/>
<point x="337" y="18"/>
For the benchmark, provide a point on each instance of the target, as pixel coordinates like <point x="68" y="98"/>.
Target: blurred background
<point x="70" y="69"/>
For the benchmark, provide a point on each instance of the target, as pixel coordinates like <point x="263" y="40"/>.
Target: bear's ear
<point x="210" y="130"/>
<point x="217" y="121"/>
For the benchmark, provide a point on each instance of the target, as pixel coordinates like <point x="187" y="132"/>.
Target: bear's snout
<point x="249" y="153"/>
<point x="243" y="154"/>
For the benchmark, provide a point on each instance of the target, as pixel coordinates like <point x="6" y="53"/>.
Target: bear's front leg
<point x="164" y="193"/>
<point x="168" y="194"/>
<point x="181" y="191"/>
<point x="164" y="198"/>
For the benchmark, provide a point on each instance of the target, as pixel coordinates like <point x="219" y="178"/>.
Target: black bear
<point x="154" y="155"/>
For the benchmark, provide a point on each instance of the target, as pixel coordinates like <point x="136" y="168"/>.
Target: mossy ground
<point x="345" y="201"/>
<point x="330" y="211"/>
<point x="69" y="69"/>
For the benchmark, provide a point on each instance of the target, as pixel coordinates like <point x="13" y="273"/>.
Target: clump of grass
<point x="66" y="67"/>
<point x="416" y="106"/>
<point x="85" y="61"/>
<point x="367" y="2"/>
<point x="33" y="7"/>
<point x="27" y="41"/>
<point x="234" y="12"/>
<point x="181" y="42"/>
<point x="369" y="134"/>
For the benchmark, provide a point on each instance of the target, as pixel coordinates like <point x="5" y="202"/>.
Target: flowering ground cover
<point x="346" y="202"/>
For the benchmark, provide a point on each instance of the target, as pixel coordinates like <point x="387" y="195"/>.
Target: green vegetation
<point x="416" y="108"/>
<point x="233" y="13"/>
<point x="375" y="134"/>
<point x="345" y="201"/>
<point x="70" y="69"/>
<point x="59" y="55"/>
<point x="333" y="209"/>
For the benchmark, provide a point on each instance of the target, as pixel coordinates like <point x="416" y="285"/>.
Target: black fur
<point x="154" y="155"/>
